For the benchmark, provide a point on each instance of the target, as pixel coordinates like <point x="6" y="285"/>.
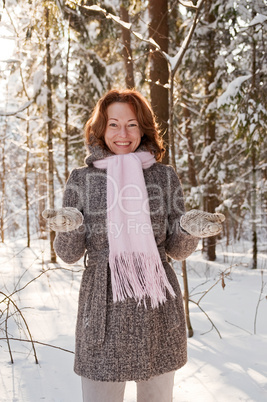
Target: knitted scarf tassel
<point x="138" y="275"/>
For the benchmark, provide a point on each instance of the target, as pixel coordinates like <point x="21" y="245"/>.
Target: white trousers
<point x="157" y="389"/>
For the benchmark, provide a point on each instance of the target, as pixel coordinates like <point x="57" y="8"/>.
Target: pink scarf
<point x="135" y="263"/>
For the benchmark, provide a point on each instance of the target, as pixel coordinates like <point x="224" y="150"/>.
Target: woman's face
<point x="122" y="133"/>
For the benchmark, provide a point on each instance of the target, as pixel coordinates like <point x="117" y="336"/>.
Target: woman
<point x="125" y="211"/>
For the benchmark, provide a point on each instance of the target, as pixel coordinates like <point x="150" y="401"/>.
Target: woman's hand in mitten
<point x="201" y="223"/>
<point x="63" y="219"/>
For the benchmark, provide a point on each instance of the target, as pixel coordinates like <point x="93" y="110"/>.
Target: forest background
<point x="201" y="64"/>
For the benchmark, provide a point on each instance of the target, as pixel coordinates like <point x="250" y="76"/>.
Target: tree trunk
<point x="26" y="187"/>
<point x="253" y="210"/>
<point x="42" y="192"/>
<point x="253" y="159"/>
<point x="66" y="138"/>
<point x="211" y="198"/>
<point x="186" y="300"/>
<point x="211" y="193"/>
<point x="3" y="174"/>
<point x="127" y="50"/>
<point x="3" y="183"/>
<point x="190" y="148"/>
<point x="49" y="131"/>
<point x="26" y="170"/>
<point x="159" y="74"/>
<point x="171" y="157"/>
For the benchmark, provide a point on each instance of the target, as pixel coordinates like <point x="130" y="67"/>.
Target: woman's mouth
<point x="122" y="144"/>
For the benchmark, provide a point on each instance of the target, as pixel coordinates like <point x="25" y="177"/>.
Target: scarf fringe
<point x="138" y="275"/>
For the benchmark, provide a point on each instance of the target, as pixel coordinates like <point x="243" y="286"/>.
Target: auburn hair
<point x="96" y="126"/>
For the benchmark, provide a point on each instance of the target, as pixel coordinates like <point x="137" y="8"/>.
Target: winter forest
<point x="202" y="65"/>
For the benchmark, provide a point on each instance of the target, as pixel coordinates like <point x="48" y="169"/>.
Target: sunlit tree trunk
<point x="3" y="173"/>
<point x="49" y="131"/>
<point x="42" y="196"/>
<point x="159" y="74"/>
<point x="3" y="182"/>
<point x="127" y="50"/>
<point x="66" y="137"/>
<point x="26" y="186"/>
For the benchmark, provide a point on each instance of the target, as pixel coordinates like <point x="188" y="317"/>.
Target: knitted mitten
<point x="63" y="219"/>
<point x="201" y="223"/>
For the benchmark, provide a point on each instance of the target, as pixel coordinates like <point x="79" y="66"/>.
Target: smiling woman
<point x="130" y="323"/>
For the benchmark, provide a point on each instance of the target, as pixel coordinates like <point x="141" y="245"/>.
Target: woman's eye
<point x="112" y="125"/>
<point x="132" y="125"/>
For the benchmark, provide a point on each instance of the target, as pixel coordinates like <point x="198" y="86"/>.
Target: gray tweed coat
<point x="124" y="341"/>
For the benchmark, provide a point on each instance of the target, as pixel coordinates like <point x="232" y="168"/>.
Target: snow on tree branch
<point x="188" y="4"/>
<point x="259" y="19"/>
<point x="125" y="25"/>
<point x="232" y="90"/>
<point x="173" y="62"/>
<point x="25" y="106"/>
<point x="24" y="147"/>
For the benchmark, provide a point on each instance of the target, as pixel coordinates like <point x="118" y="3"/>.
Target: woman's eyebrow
<point x="113" y="118"/>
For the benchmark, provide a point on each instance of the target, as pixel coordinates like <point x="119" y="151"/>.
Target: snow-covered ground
<point x="232" y="368"/>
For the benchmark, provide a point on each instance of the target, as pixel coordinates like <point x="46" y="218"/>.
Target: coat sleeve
<point x="179" y="244"/>
<point x="70" y="246"/>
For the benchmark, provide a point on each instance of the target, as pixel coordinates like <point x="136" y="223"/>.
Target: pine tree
<point x="200" y="135"/>
<point x="249" y="104"/>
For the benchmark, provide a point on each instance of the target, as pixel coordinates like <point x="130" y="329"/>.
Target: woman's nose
<point x="123" y="132"/>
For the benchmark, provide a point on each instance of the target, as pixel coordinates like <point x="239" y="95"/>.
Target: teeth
<point x="122" y="143"/>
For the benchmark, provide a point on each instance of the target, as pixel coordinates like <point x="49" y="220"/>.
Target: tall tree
<point x="192" y="174"/>
<point x="200" y="84"/>
<point x="3" y="176"/>
<point x="66" y="139"/>
<point x="127" y="49"/>
<point x="251" y="113"/>
<point x="159" y="72"/>
<point x="211" y="184"/>
<point x="51" y="193"/>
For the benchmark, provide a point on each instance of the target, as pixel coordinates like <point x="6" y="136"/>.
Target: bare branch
<point x="224" y="274"/>
<point x="25" y="323"/>
<point x="263" y="284"/>
<point x="39" y="343"/>
<point x="176" y="60"/>
<point x="237" y="326"/>
<point x="208" y="317"/>
<point x="36" y="277"/>
<point x="8" y="344"/>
